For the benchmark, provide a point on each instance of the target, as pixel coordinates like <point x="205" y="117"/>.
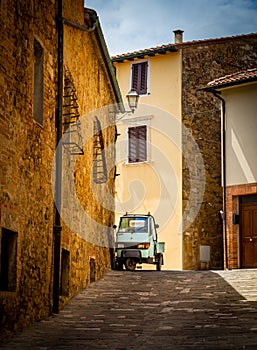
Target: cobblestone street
<point x="146" y="310"/>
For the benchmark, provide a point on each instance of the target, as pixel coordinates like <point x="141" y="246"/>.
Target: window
<point x="252" y="198"/>
<point x="137" y="144"/>
<point x="133" y="224"/>
<point x="92" y="270"/>
<point x="65" y="272"/>
<point x="138" y="139"/>
<point x="139" y="77"/>
<point x="8" y="257"/>
<point x="38" y="88"/>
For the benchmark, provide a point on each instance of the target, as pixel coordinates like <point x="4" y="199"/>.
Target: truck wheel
<point x="159" y="263"/>
<point x="130" y="264"/>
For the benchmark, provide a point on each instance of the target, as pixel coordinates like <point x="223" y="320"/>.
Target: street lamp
<point x="118" y="112"/>
<point x="132" y="98"/>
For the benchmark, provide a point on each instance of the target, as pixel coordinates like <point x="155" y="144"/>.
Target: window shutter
<point x="132" y="145"/>
<point x="141" y="155"/>
<point x="135" y="77"/>
<point x="143" y="81"/>
<point x="137" y="144"/>
<point x="139" y="78"/>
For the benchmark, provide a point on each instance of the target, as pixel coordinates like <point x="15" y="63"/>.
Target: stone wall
<point x="83" y="59"/>
<point x="203" y="62"/>
<point x="27" y="155"/>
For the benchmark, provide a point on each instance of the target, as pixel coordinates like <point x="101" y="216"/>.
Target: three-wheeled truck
<point x="137" y="242"/>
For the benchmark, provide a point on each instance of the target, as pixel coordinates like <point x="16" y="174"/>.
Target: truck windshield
<point x="133" y="224"/>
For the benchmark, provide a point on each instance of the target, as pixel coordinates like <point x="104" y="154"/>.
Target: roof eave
<point x="108" y="63"/>
<point x="149" y="53"/>
<point x="229" y="84"/>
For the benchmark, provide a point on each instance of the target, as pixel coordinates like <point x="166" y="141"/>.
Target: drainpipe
<point x="58" y="119"/>
<point x="96" y="28"/>
<point x="58" y="172"/>
<point x="224" y="216"/>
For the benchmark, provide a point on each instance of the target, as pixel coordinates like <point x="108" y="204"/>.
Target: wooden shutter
<point x="137" y="144"/>
<point x="135" y="84"/>
<point x="143" y="78"/>
<point x="139" y="78"/>
<point x="141" y="135"/>
<point x="132" y="145"/>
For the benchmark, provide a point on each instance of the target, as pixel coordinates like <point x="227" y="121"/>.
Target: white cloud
<point x="138" y="24"/>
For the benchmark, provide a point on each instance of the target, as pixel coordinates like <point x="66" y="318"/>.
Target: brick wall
<point x="232" y="231"/>
<point x="203" y="62"/>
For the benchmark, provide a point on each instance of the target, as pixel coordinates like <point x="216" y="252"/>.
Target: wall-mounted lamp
<point x="132" y="98"/>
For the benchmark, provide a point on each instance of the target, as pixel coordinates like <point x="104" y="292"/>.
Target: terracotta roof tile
<point x="173" y="47"/>
<point x="234" y="79"/>
<point x="145" y="52"/>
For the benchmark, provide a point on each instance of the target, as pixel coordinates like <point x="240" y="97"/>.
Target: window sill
<point x="144" y="95"/>
<point x="139" y="163"/>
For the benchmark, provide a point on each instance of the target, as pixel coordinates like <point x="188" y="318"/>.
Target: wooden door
<point x="248" y="235"/>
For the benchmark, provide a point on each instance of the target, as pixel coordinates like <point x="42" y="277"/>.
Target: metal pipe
<point x="224" y="214"/>
<point x="79" y="26"/>
<point x="217" y="94"/>
<point x="58" y="175"/>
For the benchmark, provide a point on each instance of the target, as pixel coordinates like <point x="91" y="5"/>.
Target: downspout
<point x="96" y="28"/>
<point x="58" y="119"/>
<point x="224" y="214"/>
<point x="58" y="172"/>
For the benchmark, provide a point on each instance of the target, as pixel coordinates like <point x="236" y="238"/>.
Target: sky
<point x="130" y="25"/>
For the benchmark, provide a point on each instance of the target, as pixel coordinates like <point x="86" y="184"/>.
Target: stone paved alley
<point x="147" y="310"/>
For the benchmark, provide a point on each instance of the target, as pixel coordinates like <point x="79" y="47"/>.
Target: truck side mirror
<point x="157" y="226"/>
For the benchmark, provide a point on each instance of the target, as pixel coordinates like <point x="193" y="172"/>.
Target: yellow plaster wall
<point x="158" y="186"/>
<point x="164" y="83"/>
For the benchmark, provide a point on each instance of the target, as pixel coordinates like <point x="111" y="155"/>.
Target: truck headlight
<point x="120" y="245"/>
<point x="143" y="245"/>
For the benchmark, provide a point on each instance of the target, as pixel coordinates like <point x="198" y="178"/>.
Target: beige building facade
<point x="238" y="94"/>
<point x="156" y="191"/>
<point x="177" y="174"/>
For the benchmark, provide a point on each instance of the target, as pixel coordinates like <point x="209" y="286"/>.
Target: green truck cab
<point x="137" y="242"/>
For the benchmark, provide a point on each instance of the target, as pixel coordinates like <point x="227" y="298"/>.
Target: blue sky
<point x="130" y="25"/>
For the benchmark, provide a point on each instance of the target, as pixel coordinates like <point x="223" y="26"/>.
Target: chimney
<point x="178" y="36"/>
